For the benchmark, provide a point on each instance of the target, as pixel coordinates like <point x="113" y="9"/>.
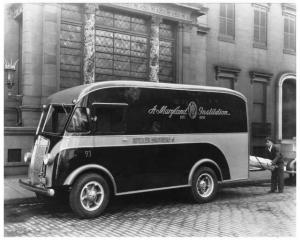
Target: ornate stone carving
<point x="160" y="9"/>
<point x="89" y="43"/>
<point x="154" y="50"/>
<point x="16" y="10"/>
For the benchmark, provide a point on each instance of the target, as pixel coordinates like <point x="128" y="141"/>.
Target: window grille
<point x="167" y="52"/>
<point x="122" y="43"/>
<point x="71" y="45"/>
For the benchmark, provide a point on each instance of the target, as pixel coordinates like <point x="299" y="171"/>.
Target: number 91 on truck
<point x="113" y="138"/>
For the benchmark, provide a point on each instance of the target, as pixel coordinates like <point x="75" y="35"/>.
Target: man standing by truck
<point x="277" y="177"/>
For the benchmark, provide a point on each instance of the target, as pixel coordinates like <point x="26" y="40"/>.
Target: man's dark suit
<point x="277" y="178"/>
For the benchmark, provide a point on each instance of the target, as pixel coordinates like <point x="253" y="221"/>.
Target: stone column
<point x="50" y="36"/>
<point x="179" y="56"/>
<point x="154" y="50"/>
<point x="32" y="61"/>
<point x="89" y="63"/>
<point x="186" y="53"/>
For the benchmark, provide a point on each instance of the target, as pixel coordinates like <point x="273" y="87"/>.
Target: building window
<point x="111" y="119"/>
<point x="122" y="43"/>
<point x="227" y="23"/>
<point x="289" y="109"/>
<point x="226" y="76"/>
<point x="289" y="34"/>
<point x="167" y="52"/>
<point x="259" y="81"/>
<point x="260" y="128"/>
<point x="260" y="27"/>
<point x="259" y="102"/>
<point x="14" y="155"/>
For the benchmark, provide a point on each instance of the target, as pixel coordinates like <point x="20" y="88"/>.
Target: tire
<point x="89" y="195"/>
<point x="204" y="185"/>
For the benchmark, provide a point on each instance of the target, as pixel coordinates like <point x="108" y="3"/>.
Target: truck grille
<point x="36" y="165"/>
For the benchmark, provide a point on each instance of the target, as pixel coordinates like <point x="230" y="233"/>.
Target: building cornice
<point x="171" y="11"/>
<point x="201" y="29"/>
<point x="29" y="108"/>
<point x="19" y="131"/>
<point x="260" y="76"/>
<point x="227" y="72"/>
<point x="266" y="6"/>
<point x="288" y="8"/>
<point x="200" y="10"/>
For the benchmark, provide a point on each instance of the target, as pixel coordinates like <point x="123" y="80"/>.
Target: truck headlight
<point x="27" y="157"/>
<point x="47" y="159"/>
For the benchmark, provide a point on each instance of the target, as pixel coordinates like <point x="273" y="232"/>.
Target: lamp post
<point x="9" y="77"/>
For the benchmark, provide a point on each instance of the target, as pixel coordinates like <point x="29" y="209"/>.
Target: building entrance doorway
<point x="286" y="115"/>
<point x="289" y="109"/>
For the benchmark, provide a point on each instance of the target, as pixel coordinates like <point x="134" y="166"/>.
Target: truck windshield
<point x="56" y="118"/>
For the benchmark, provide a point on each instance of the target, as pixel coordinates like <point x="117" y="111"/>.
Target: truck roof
<point x="72" y="95"/>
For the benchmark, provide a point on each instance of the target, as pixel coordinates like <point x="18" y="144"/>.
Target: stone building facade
<point x="63" y="45"/>
<point x="251" y="48"/>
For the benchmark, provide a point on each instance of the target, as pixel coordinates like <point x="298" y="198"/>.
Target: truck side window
<point x="79" y="121"/>
<point x="110" y="119"/>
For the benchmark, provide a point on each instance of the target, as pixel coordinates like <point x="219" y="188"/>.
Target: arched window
<point x="286" y="104"/>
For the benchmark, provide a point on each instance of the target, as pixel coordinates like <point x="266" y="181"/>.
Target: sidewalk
<point x="13" y="193"/>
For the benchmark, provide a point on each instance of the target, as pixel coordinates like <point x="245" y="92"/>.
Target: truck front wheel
<point x="89" y="195"/>
<point x="204" y="185"/>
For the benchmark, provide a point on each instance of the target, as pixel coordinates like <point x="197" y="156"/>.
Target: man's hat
<point x="269" y="139"/>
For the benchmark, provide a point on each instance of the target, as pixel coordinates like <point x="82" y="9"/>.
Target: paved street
<point x="237" y="211"/>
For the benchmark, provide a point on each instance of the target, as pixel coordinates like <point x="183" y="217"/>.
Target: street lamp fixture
<point x="9" y="77"/>
<point x="9" y="71"/>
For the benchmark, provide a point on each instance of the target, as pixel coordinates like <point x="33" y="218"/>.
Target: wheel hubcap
<point x="205" y="185"/>
<point x="91" y="196"/>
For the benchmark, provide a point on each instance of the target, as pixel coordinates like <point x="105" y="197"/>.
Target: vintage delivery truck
<point x="113" y="138"/>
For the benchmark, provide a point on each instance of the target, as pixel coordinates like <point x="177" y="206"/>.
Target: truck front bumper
<point x="38" y="189"/>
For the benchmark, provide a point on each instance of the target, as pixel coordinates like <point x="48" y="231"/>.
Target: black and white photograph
<point x="149" y="119"/>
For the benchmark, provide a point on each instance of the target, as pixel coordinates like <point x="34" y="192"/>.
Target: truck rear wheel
<point x="204" y="185"/>
<point x="89" y="195"/>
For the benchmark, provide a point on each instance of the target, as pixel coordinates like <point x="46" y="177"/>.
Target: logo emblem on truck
<point x="192" y="110"/>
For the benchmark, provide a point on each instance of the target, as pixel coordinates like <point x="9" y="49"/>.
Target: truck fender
<point x="199" y="163"/>
<point x="73" y="175"/>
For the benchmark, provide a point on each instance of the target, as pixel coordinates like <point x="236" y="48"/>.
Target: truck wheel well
<point x="103" y="174"/>
<point x="209" y="151"/>
<point x="213" y="167"/>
